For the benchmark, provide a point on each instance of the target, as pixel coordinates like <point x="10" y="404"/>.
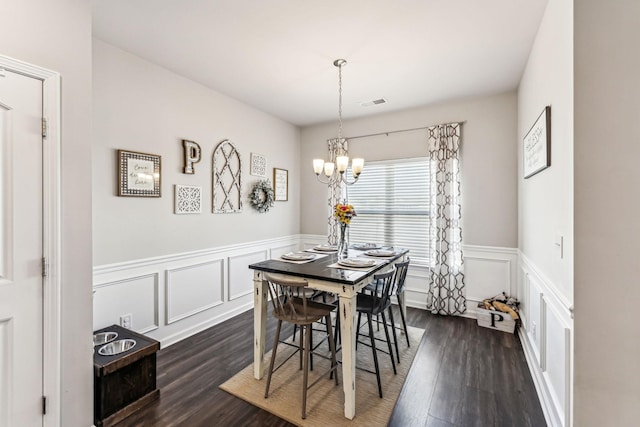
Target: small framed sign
<point x="281" y="184"/>
<point x="536" y="148"/>
<point x="258" y="165"/>
<point x="138" y="174"/>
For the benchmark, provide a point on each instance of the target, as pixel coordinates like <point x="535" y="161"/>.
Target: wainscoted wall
<point x="488" y="271"/>
<point x="172" y="297"/>
<point x="546" y="336"/>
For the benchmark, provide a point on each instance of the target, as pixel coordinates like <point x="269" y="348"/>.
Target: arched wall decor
<point x="227" y="183"/>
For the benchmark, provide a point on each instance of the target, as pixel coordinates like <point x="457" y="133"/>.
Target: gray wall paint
<point x="57" y="35"/>
<point x="488" y="161"/>
<point x="140" y="106"/>
<point x="546" y="200"/>
<point x="607" y="244"/>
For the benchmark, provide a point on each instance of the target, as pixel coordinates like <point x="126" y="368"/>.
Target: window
<point x="391" y="199"/>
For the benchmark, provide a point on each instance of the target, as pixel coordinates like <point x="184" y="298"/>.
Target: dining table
<point x="324" y="273"/>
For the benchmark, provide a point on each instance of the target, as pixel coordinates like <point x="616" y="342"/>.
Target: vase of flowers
<point x="344" y="212"/>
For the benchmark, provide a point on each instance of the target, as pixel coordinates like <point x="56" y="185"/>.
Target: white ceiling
<point x="277" y="55"/>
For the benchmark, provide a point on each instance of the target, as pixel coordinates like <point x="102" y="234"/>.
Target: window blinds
<point x="391" y="200"/>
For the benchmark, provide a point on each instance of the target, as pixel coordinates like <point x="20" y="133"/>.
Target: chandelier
<point x="335" y="169"/>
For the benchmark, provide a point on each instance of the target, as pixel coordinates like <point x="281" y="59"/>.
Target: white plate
<point x="357" y="262"/>
<point x="298" y="257"/>
<point x="364" y="246"/>
<point x="326" y="248"/>
<point x="380" y="252"/>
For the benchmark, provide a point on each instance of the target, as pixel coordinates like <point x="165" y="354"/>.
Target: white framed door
<point x="30" y="213"/>
<point x="21" y="250"/>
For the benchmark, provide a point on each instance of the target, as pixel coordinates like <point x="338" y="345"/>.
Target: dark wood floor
<point x="463" y="375"/>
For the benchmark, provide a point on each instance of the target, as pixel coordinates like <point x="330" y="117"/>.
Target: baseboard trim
<point x="546" y="402"/>
<point x="186" y="333"/>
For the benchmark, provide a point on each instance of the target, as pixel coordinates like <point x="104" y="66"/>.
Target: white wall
<point x="179" y="274"/>
<point x="57" y="36"/>
<point x="488" y="161"/>
<point x="607" y="244"/>
<point x="140" y="106"/>
<point x="545" y="211"/>
<point x="546" y="199"/>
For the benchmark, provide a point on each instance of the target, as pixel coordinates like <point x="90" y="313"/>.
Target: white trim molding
<point x="546" y="334"/>
<point x="196" y="289"/>
<point x="489" y="270"/>
<point x="174" y="296"/>
<point x="51" y="232"/>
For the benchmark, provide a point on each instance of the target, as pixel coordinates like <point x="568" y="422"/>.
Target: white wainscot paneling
<point x="6" y="368"/>
<point x="535" y="317"/>
<point x="416" y="285"/>
<point x="546" y="339"/>
<point x="193" y="289"/>
<point x="177" y="295"/>
<point x="309" y="241"/>
<point x="240" y="276"/>
<point x="135" y="295"/>
<point x="488" y="271"/>
<point x="558" y="360"/>
<point x="486" y="277"/>
<point x="280" y="250"/>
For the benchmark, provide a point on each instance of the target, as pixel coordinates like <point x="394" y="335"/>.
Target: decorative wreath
<point x="262" y="196"/>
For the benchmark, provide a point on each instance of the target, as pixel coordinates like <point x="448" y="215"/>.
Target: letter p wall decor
<point x="192" y="155"/>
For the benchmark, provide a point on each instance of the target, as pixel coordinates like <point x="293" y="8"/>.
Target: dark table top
<point x="320" y="270"/>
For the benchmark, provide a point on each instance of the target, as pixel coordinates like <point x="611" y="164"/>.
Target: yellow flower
<point x="344" y="213"/>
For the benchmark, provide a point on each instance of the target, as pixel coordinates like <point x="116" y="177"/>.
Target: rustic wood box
<point x="496" y="320"/>
<point x="125" y="382"/>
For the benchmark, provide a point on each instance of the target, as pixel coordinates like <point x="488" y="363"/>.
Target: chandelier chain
<point x="340" y="102"/>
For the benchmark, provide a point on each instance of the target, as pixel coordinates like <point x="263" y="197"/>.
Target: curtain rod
<point x="397" y="131"/>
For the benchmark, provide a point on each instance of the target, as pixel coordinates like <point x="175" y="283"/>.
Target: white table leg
<point x="348" y="336"/>
<point x="259" y="323"/>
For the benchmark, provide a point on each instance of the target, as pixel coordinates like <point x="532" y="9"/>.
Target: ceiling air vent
<point x="374" y="102"/>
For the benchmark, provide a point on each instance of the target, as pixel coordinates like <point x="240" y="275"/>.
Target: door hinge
<point x="44" y="127"/>
<point x="44" y="405"/>
<point x="45" y="267"/>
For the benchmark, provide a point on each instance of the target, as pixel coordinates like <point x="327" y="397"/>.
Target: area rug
<point x="325" y="400"/>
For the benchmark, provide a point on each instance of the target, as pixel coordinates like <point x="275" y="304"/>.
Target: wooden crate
<point x="496" y="320"/>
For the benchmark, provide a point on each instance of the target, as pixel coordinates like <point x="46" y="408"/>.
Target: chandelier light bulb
<point x="318" y="165"/>
<point x="343" y="163"/>
<point x="328" y="168"/>
<point x="357" y="165"/>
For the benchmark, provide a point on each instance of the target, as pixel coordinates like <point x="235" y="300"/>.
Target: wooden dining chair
<point x="290" y="305"/>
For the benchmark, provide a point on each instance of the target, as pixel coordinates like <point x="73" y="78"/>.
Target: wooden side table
<point x="125" y="382"/>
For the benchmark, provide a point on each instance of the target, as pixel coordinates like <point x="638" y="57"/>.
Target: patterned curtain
<point x="337" y="190"/>
<point x="446" y="275"/>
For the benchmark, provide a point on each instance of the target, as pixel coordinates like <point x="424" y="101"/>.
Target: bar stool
<point x="400" y="275"/>
<point x="374" y="304"/>
<point x="288" y="306"/>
